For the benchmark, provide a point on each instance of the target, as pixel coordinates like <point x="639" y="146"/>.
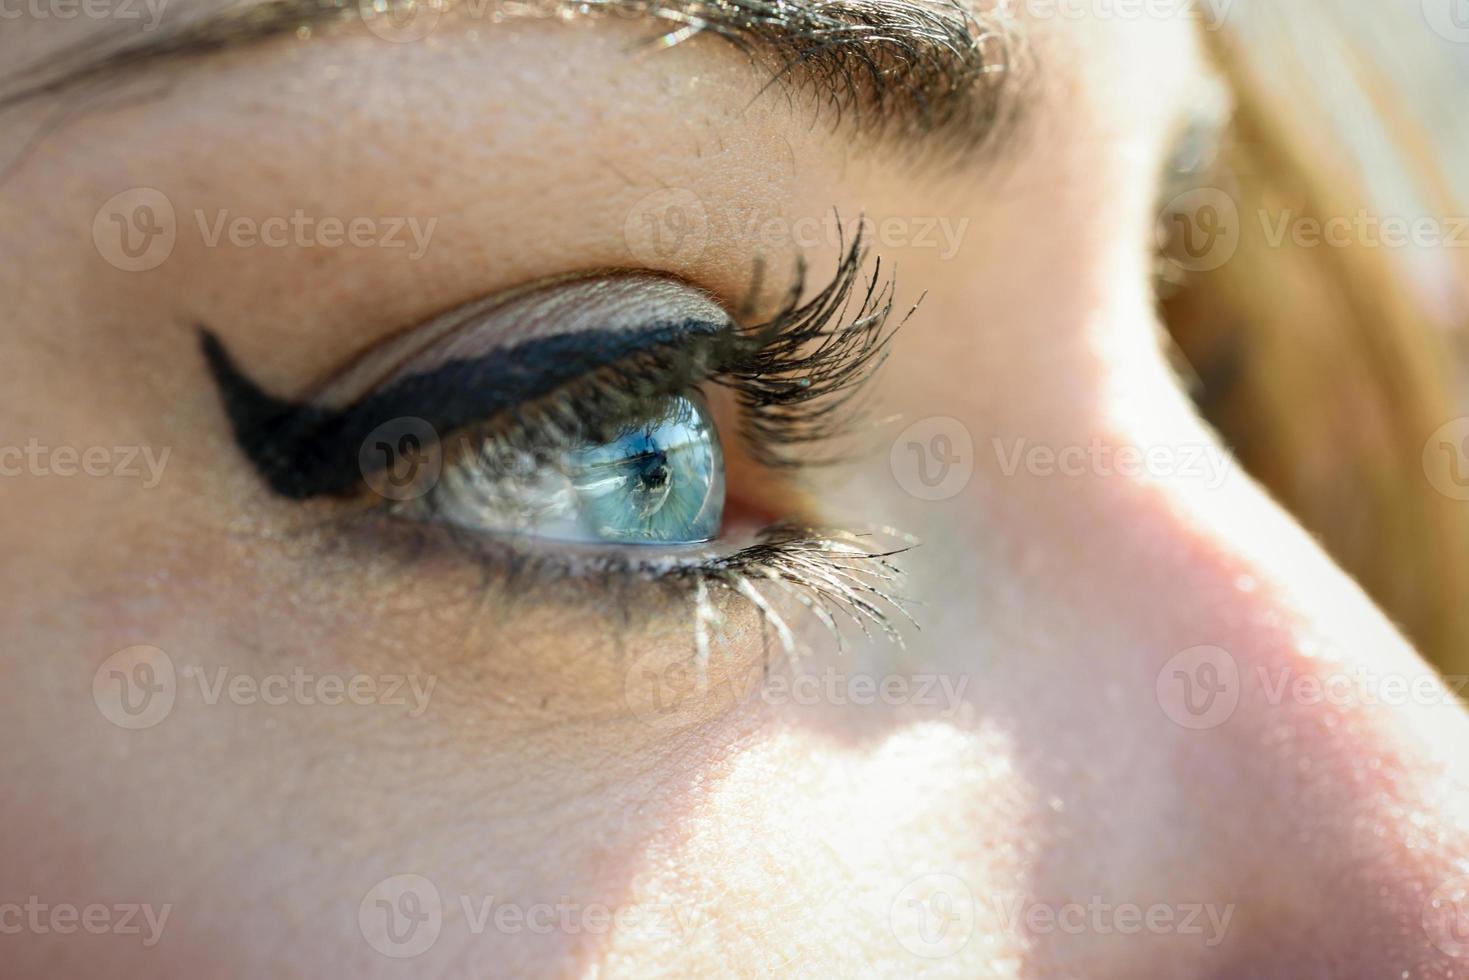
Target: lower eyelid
<point x="779" y="573"/>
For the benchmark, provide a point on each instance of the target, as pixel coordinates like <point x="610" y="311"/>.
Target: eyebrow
<point x="911" y="73"/>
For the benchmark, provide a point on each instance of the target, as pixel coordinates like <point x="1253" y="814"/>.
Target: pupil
<point x="652" y="480"/>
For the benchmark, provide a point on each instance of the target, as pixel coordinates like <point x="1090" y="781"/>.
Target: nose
<point x="1203" y="707"/>
<point x="1320" y="760"/>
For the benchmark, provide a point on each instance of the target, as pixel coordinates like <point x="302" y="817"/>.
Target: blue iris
<point x="660" y="481"/>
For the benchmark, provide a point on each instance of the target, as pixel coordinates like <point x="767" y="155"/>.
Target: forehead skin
<point x="920" y="71"/>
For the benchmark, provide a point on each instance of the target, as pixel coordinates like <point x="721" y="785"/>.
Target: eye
<point x="574" y="411"/>
<point x="653" y="480"/>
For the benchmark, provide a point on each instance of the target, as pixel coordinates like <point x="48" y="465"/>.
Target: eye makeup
<point x="631" y="337"/>
<point x="311" y="449"/>
<point x="572" y="428"/>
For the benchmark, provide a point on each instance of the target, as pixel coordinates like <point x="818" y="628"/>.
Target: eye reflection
<point x="660" y="481"/>
<point x="657" y="480"/>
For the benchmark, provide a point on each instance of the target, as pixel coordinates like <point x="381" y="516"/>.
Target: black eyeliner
<point x="303" y="450"/>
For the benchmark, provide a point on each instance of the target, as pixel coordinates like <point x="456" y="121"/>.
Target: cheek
<point x="851" y="828"/>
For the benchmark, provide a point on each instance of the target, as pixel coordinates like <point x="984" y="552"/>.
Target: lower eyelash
<point x="838" y="576"/>
<point x="828" y="571"/>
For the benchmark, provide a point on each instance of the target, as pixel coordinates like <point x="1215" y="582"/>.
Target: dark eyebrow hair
<point x="908" y="72"/>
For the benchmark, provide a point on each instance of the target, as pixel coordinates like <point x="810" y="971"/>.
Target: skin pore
<point x="747" y="832"/>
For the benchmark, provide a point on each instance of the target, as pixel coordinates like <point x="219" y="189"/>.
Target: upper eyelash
<point x="799" y="381"/>
<point x="798" y="377"/>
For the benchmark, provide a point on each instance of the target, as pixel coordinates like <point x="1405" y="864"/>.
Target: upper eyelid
<point x="795" y="378"/>
<point x="608" y="300"/>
